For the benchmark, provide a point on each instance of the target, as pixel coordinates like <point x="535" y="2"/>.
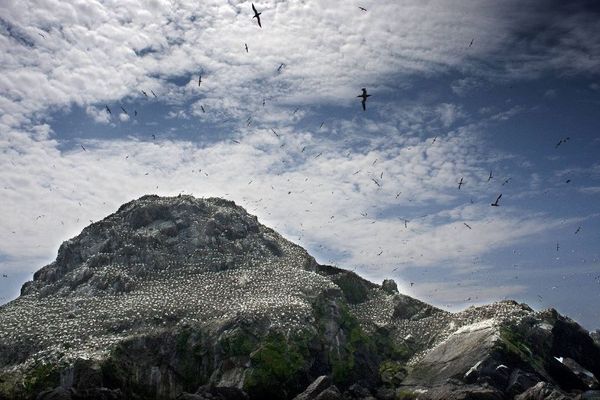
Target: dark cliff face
<point x="175" y="295"/>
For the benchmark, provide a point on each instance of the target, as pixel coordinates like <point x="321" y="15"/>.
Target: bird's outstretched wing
<point x="254" y="8"/>
<point x="258" y="19"/>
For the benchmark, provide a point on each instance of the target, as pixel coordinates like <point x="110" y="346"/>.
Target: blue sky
<point x="441" y="110"/>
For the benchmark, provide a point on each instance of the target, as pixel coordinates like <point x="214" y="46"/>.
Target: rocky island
<point x="186" y="298"/>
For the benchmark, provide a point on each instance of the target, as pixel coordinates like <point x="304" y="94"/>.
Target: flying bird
<point x="434" y="139"/>
<point x="362" y="8"/>
<point x="280" y="67"/>
<point x="318" y="155"/>
<point x="202" y="108"/>
<point x="235" y="141"/>
<point x="246" y="45"/>
<point x="144" y="93"/>
<point x="460" y="183"/>
<point x="364" y="97"/>
<point x="256" y="15"/>
<point x="506" y="181"/>
<point x="495" y="204"/>
<point x="108" y="109"/>
<point x="276" y="134"/>
<point x="153" y="94"/>
<point x="153" y="137"/>
<point x="321" y="124"/>
<point x="577" y="231"/>
<point x="557" y="246"/>
<point x="199" y="80"/>
<point x="467" y="225"/>
<point x="561" y="141"/>
<point x="471" y="44"/>
<point x="375" y="180"/>
<point x="124" y="110"/>
<point x="83" y="147"/>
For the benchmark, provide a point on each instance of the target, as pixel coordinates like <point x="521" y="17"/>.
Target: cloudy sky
<point x="460" y="90"/>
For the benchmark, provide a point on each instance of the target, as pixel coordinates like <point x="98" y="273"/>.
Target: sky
<point x="466" y="90"/>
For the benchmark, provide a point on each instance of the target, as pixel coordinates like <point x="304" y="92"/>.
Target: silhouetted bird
<point x="577" y="231"/>
<point x="362" y="8"/>
<point x="256" y="15"/>
<point x="321" y="124"/>
<point x="202" y="108"/>
<point x="124" y="110"/>
<point x="490" y="177"/>
<point x="561" y="141"/>
<point x="276" y="134"/>
<point x="471" y="44"/>
<point x="246" y="45"/>
<point x="83" y="147"/>
<point x="375" y="180"/>
<point x="506" y="181"/>
<point x="495" y="204"/>
<point x="108" y="109"/>
<point x="460" y="183"/>
<point x="280" y="67"/>
<point x="153" y="94"/>
<point x="144" y="93"/>
<point x="199" y="80"/>
<point x="364" y="97"/>
<point x="467" y="225"/>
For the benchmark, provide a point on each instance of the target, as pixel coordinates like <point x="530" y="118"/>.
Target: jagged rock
<point x="59" y="393"/>
<point x="520" y="381"/>
<point x="591" y="395"/>
<point x="331" y="393"/>
<point x="544" y="391"/>
<point x="389" y="286"/>
<point x="168" y="295"/>
<point x="315" y="388"/>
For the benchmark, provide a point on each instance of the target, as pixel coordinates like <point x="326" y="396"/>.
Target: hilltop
<point x="179" y="297"/>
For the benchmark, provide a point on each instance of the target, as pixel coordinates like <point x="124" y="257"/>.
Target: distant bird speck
<point x="362" y="8"/>
<point x="246" y="45"/>
<point x="83" y="147"/>
<point x="467" y="225"/>
<point x="495" y="204"/>
<point x="108" y="109"/>
<point x="364" y="97"/>
<point x="460" y="183"/>
<point x="256" y="15"/>
<point x="490" y="177"/>
<point x="471" y="44"/>
<point x="577" y="231"/>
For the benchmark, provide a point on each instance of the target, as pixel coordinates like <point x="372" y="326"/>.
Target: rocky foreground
<point x="194" y="299"/>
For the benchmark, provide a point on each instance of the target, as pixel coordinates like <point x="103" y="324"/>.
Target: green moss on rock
<point x="279" y="367"/>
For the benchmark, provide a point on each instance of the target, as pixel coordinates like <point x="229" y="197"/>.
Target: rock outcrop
<point x="194" y="299"/>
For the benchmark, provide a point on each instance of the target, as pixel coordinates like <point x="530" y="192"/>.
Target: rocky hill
<point x="195" y="299"/>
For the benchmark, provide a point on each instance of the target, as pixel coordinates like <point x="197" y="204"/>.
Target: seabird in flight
<point x="460" y="183"/>
<point x="471" y="44"/>
<point x="490" y="177"/>
<point x="246" y="45"/>
<point x="199" y="80"/>
<point x="107" y="109"/>
<point x="364" y="96"/>
<point x="83" y="147"/>
<point x="467" y="225"/>
<point x="362" y="8"/>
<point x="124" y="110"/>
<point x="495" y="204"/>
<point x="256" y="15"/>
<point x="202" y="108"/>
<point x="153" y="94"/>
<point x="144" y="93"/>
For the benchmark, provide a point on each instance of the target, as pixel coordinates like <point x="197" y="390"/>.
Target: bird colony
<point x="162" y="263"/>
